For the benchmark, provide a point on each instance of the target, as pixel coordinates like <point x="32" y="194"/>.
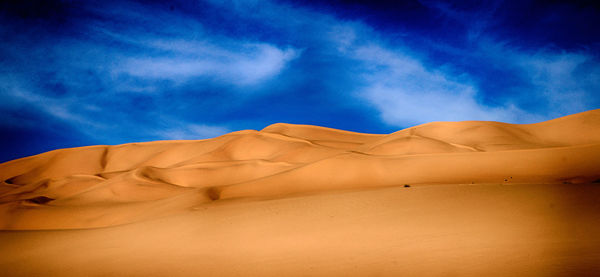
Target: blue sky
<point x="76" y="73"/>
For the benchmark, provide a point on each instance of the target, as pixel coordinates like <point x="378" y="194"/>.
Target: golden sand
<point x="471" y="198"/>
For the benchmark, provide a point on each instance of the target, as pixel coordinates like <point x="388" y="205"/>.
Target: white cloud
<point x="407" y="93"/>
<point x="244" y="64"/>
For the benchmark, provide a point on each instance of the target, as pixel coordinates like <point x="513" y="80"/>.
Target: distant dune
<point x="443" y="198"/>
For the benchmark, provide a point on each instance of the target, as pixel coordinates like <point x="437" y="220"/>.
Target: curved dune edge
<point x="100" y="186"/>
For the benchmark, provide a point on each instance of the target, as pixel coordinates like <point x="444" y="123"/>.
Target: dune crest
<point x="99" y="186"/>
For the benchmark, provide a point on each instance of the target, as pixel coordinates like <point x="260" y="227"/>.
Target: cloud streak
<point x="407" y="93"/>
<point x="245" y="64"/>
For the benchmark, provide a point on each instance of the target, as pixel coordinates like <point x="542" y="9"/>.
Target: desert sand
<point x="471" y="198"/>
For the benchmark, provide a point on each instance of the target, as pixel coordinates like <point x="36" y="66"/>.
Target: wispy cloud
<point x="184" y="51"/>
<point x="56" y="109"/>
<point x="243" y="64"/>
<point x="560" y="82"/>
<point x="407" y="93"/>
<point x="407" y="88"/>
<point x="565" y="81"/>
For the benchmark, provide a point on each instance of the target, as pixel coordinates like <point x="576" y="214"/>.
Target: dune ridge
<point x="100" y="186"/>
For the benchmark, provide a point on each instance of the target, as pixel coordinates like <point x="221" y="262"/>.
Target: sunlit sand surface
<point x="466" y="198"/>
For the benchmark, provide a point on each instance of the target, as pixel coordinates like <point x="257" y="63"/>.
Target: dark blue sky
<point x="76" y="73"/>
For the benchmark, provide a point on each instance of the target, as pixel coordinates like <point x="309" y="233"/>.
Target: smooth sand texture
<point x="445" y="198"/>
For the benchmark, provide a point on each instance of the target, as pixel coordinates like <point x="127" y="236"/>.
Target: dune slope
<point x="100" y="186"/>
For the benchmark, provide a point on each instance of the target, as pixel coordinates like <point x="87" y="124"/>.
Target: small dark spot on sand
<point x="505" y="180"/>
<point x="407" y="186"/>
<point x="213" y="193"/>
<point x="597" y="181"/>
<point x="40" y="200"/>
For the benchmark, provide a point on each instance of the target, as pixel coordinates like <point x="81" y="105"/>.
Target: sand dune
<point x="286" y="159"/>
<point x="163" y="184"/>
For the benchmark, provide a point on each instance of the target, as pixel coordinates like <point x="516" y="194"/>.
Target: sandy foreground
<point x="466" y="198"/>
